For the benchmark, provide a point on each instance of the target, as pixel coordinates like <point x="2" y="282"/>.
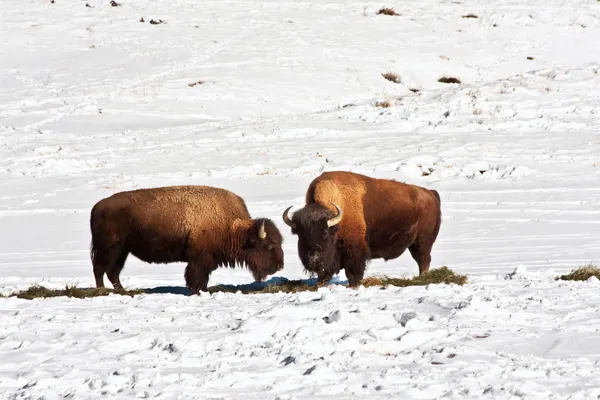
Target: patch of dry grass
<point x="581" y="274"/>
<point x="387" y="11"/>
<point x="385" y="103"/>
<point x="441" y="275"/>
<point x="37" y="291"/>
<point x="392" y="77"/>
<point x="286" y="287"/>
<point x="449" y="79"/>
<point x="435" y="276"/>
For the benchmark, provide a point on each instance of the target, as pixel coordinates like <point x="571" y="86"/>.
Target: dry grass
<point x="392" y="77"/>
<point x="435" y="276"/>
<point x="387" y="11"/>
<point x="442" y="275"/>
<point x="286" y="287"/>
<point x="36" y="292"/>
<point x="385" y="103"/>
<point x="581" y="273"/>
<point x="449" y="79"/>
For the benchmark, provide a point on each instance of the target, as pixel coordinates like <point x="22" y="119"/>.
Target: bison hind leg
<point x="421" y="253"/>
<point x="114" y="270"/>
<point x="109" y="260"/>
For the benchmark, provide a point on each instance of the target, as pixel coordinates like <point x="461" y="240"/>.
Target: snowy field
<point x="259" y="97"/>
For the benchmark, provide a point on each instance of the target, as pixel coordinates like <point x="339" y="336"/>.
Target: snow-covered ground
<point x="95" y="101"/>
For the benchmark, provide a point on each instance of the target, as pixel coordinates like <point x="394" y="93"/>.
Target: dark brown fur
<point x="204" y="226"/>
<point x="381" y="219"/>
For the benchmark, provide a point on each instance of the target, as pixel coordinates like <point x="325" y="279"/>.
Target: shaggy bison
<point x="204" y="226"/>
<point x="350" y="219"/>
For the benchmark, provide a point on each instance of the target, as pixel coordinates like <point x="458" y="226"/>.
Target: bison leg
<point x="109" y="260"/>
<point x="198" y="272"/>
<point x="114" y="269"/>
<point x="99" y="274"/>
<point x="422" y="255"/>
<point x="354" y="262"/>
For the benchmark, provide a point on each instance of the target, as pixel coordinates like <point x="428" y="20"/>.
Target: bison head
<point x="316" y="228"/>
<point x="262" y="249"/>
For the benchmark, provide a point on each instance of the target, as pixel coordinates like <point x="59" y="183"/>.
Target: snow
<point x="95" y="101"/>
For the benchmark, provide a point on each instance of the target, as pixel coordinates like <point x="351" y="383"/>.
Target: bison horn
<point x="261" y="232"/>
<point x="335" y="220"/>
<point x="286" y="219"/>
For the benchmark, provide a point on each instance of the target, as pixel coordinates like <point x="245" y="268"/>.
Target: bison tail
<point x="94" y="242"/>
<point x="436" y="194"/>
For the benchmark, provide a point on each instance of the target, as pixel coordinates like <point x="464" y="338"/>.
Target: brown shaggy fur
<point x="381" y="219"/>
<point x="204" y="226"/>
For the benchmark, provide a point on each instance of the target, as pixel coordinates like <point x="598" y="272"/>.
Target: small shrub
<point x="387" y="11"/>
<point x="581" y="273"/>
<point x="414" y="90"/>
<point x="113" y="3"/>
<point x="533" y="58"/>
<point x="449" y="79"/>
<point x="470" y="16"/>
<point x="195" y="83"/>
<point x="392" y="76"/>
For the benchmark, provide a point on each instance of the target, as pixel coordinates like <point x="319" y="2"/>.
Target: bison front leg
<point x="197" y="273"/>
<point x="354" y="262"/>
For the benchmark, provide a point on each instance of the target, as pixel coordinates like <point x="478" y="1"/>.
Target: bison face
<point x="263" y="252"/>
<point x="316" y="229"/>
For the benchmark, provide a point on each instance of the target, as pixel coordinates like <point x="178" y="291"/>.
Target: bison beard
<point x="203" y="226"/>
<point x="376" y="218"/>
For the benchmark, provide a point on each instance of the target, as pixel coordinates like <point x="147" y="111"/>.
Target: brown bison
<point x="350" y="219"/>
<point x="204" y="226"/>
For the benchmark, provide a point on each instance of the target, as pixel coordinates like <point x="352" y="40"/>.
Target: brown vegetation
<point x="392" y="76"/>
<point x="581" y="274"/>
<point x="449" y="79"/>
<point x="387" y="11"/>
<point x="470" y="16"/>
<point x="36" y="292"/>
<point x="385" y="103"/>
<point x="442" y="275"/>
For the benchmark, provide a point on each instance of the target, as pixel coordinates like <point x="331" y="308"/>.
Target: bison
<point x="350" y="219"/>
<point x="206" y="227"/>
